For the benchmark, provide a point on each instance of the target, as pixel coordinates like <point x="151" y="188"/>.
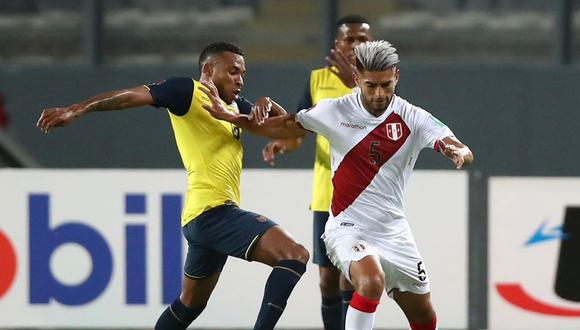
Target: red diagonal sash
<point x="360" y="165"/>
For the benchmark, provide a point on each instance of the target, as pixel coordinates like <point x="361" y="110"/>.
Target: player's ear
<point x="207" y="69"/>
<point x="355" y="77"/>
<point x="397" y="73"/>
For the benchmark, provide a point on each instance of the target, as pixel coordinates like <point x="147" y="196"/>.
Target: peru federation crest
<point x="394" y="131"/>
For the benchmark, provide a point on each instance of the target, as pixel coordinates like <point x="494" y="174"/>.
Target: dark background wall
<point x="519" y="119"/>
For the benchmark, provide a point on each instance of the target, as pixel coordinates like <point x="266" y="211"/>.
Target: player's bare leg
<point x="196" y="292"/>
<point x="278" y="249"/>
<point x="275" y="245"/>
<point x="329" y="281"/>
<point x="345" y="285"/>
<point x="368" y="279"/>
<point x="418" y="309"/>
<point x="194" y="296"/>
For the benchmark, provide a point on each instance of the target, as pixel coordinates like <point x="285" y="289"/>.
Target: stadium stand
<point x="152" y="32"/>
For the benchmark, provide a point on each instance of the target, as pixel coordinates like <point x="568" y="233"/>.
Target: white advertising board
<point x="103" y="248"/>
<point x="534" y="256"/>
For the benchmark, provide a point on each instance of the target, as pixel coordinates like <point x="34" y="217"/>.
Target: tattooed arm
<point x="114" y="100"/>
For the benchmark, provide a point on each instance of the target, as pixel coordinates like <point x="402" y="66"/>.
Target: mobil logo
<point x="45" y="239"/>
<point x="8" y="263"/>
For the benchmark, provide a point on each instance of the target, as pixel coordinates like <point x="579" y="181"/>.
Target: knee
<point x="186" y="297"/>
<point x="296" y="252"/>
<point x="371" y="285"/>
<point x="301" y="254"/>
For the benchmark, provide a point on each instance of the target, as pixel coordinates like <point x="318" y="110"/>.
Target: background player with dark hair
<point x="211" y="151"/>
<point x="332" y="81"/>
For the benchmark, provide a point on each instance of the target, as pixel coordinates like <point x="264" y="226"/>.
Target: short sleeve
<point x="430" y="129"/>
<point x="244" y="106"/>
<point x="175" y="94"/>
<point x="316" y="118"/>
<point x="306" y="100"/>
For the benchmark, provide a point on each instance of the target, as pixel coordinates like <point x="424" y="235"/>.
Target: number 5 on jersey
<point x="375" y="156"/>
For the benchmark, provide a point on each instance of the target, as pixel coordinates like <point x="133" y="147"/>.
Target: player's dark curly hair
<point x="351" y="19"/>
<point x="217" y="47"/>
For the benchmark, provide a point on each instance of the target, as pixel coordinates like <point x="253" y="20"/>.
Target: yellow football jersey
<point x="324" y="84"/>
<point x="210" y="149"/>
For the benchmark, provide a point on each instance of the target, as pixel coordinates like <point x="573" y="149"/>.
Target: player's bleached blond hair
<point x="375" y="56"/>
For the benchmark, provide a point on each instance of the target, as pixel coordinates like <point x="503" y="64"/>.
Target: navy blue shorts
<point x="318" y="222"/>
<point x="223" y="231"/>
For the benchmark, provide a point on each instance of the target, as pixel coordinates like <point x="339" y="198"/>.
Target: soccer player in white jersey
<point x="375" y="138"/>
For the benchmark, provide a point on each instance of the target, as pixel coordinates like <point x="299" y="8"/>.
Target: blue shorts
<point x="319" y="221"/>
<point x="223" y="231"/>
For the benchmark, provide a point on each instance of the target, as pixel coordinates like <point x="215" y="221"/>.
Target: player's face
<point x="349" y="36"/>
<point x="377" y="88"/>
<point x="228" y="75"/>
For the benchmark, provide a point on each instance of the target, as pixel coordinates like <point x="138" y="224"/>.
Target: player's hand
<point x="452" y="152"/>
<point x="217" y="108"/>
<point x="56" y="117"/>
<point x="341" y="66"/>
<point x="260" y="110"/>
<point x="271" y="149"/>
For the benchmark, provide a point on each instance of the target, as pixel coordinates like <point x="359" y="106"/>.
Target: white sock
<point x="357" y="320"/>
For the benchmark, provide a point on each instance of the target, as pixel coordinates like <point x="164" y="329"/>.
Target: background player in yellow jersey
<point x="211" y="151"/>
<point x="332" y="81"/>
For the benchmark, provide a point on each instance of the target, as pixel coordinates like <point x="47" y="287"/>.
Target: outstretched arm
<point x="113" y="100"/>
<point x="456" y="151"/>
<point x="282" y="126"/>
<point x="280" y="146"/>
<point x="265" y="107"/>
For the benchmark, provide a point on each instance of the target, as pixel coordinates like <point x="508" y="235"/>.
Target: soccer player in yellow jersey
<point x="332" y="81"/>
<point x="212" y="223"/>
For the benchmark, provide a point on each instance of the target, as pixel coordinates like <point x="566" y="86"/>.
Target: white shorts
<point x="400" y="259"/>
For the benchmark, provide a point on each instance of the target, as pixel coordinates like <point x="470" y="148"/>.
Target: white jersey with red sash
<point x="371" y="161"/>
<point x="372" y="157"/>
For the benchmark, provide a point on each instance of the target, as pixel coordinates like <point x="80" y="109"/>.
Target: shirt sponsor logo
<point x="394" y="131"/>
<point x="236" y="132"/>
<point x="358" y="247"/>
<point x="261" y="218"/>
<point x="349" y="125"/>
